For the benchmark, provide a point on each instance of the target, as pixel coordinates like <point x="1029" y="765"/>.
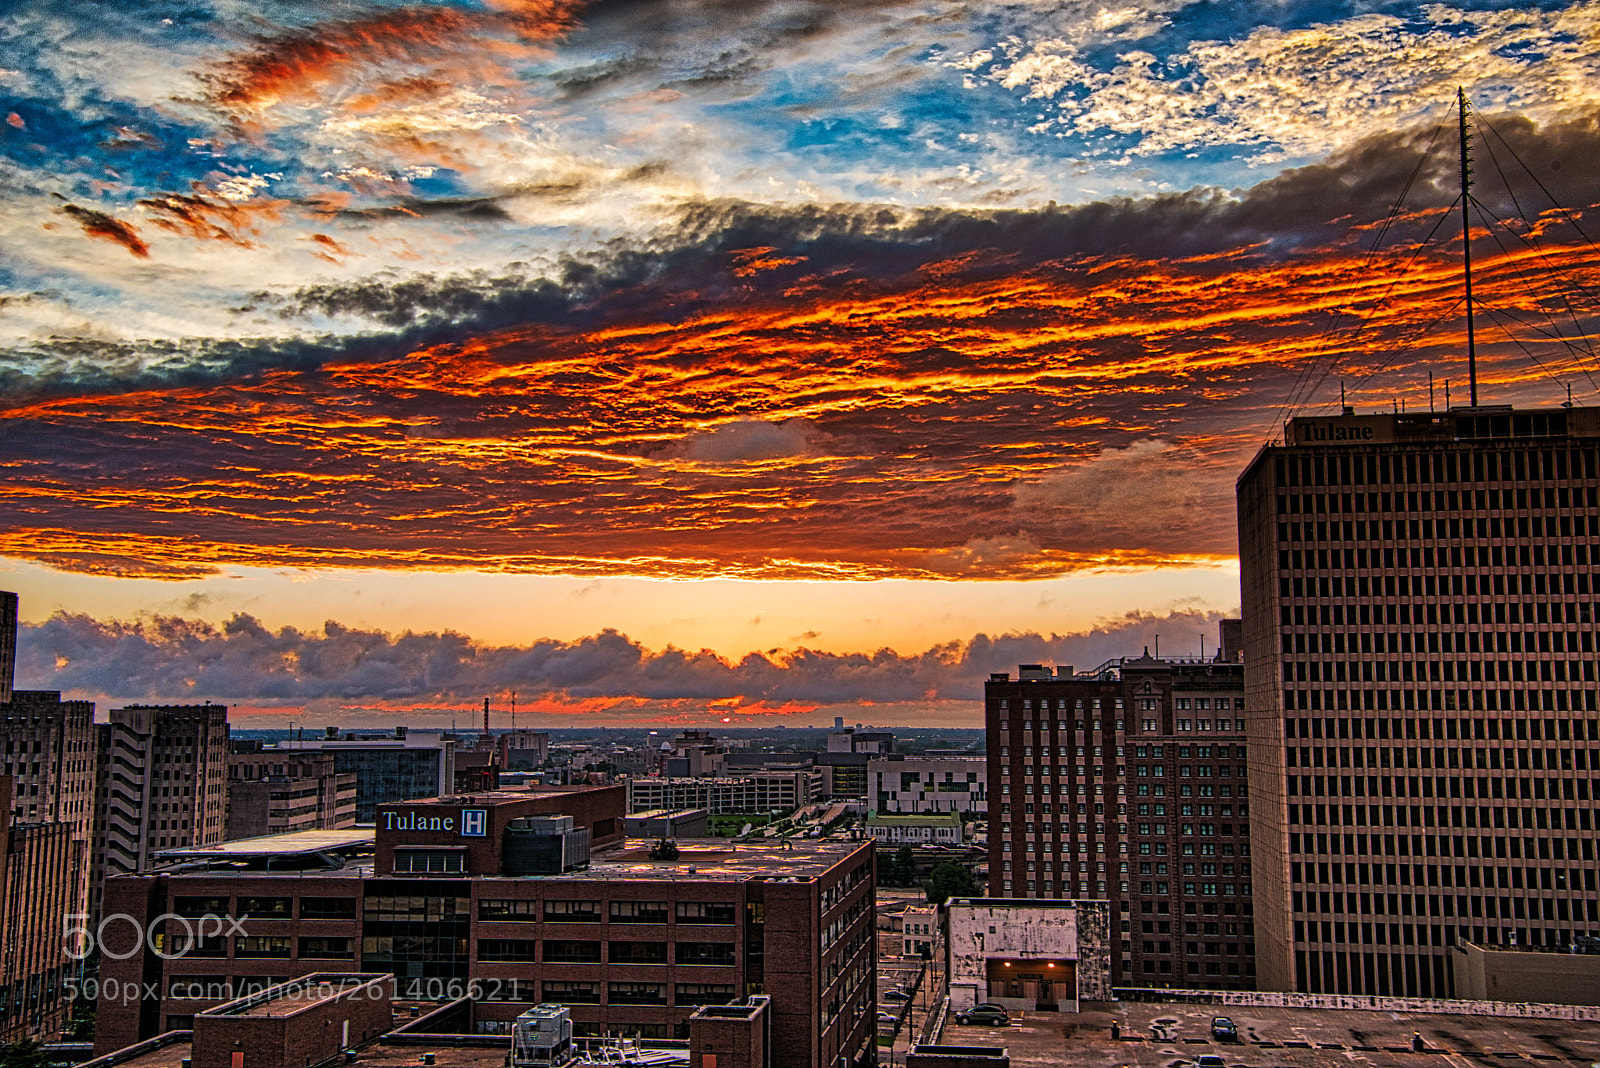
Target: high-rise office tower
<point x="1419" y="608"/>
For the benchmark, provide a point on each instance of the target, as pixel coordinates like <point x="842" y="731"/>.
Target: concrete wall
<point x="1520" y="975"/>
<point x="985" y="930"/>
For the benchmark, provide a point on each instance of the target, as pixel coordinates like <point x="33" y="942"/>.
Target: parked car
<point x="1223" y="1030"/>
<point x="896" y="995"/>
<point x="1209" y="1060"/>
<point x="987" y="1015"/>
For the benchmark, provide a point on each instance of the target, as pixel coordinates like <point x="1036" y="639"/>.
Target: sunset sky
<point x="679" y="360"/>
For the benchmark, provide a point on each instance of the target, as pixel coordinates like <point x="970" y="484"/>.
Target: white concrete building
<point x="912" y="784"/>
<point x="919" y="928"/>
<point x="943" y="828"/>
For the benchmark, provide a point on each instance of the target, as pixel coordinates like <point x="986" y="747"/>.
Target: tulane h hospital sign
<point x="467" y="822"/>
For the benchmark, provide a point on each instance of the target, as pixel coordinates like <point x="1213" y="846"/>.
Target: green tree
<point x="949" y="879"/>
<point x="664" y="849"/>
<point x="24" y="1054"/>
<point x="903" y="867"/>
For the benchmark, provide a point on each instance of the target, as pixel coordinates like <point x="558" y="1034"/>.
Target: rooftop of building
<point x="306" y="992"/>
<point x="914" y="819"/>
<point x="345" y="841"/>
<point x="1172" y="1035"/>
<point x="703" y="859"/>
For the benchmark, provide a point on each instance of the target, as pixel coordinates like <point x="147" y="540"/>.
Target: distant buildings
<point x="397" y="767"/>
<point x="273" y="791"/>
<point x="523" y="750"/>
<point x="1419" y="611"/>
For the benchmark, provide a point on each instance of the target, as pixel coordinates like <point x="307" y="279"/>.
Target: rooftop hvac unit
<point x="542" y="1038"/>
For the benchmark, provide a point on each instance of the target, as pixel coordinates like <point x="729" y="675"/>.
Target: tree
<point x="24" y="1054"/>
<point x="903" y="867"/>
<point x="949" y="879"/>
<point x="664" y="849"/>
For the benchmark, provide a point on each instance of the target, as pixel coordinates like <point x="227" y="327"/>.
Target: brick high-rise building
<point x="1127" y="784"/>
<point x="36" y="897"/>
<point x="1419" y="608"/>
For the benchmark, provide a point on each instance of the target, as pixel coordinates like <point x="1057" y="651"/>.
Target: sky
<point x="683" y="360"/>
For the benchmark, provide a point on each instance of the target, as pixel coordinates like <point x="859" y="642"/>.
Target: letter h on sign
<point x="472" y="822"/>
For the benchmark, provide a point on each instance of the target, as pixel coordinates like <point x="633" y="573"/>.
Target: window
<point x="637" y="993"/>
<point x="638" y="912"/>
<point x="265" y="908"/>
<point x="506" y="949"/>
<point x="703" y="993"/>
<point x="326" y="948"/>
<point x="705" y="953"/>
<point x="638" y="953"/>
<point x="568" y="951"/>
<point x="327" y="908"/>
<point x="571" y="993"/>
<point x="572" y="911"/>
<point x="500" y="910"/>
<point x="706" y="912"/>
<point x="260" y="946"/>
<point x="429" y="862"/>
<point x="192" y="907"/>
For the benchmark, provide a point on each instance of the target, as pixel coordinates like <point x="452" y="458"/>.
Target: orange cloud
<point x="947" y="427"/>
<point x="99" y="224"/>
<point x="406" y="50"/>
<point x="211" y="219"/>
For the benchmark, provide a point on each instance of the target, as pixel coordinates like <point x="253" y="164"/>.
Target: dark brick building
<point x="495" y="898"/>
<point x="1127" y="784"/>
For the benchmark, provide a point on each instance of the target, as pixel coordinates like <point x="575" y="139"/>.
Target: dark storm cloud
<point x="172" y="658"/>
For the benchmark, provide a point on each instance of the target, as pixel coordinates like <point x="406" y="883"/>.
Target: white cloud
<point x="1308" y="91"/>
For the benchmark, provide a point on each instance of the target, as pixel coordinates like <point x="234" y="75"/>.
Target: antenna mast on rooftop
<point x="1466" y="237"/>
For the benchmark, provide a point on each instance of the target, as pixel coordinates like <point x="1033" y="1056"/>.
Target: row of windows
<point x="1434" y="906"/>
<point x="589" y="911"/>
<point x="1424" y="558"/>
<point x="1543" y="612"/>
<point x="1440" y="700"/>
<point x="571" y="951"/>
<point x="1496" y="759"/>
<point x="1475" y="876"/>
<point x="1335" y="643"/>
<point x="1189" y="771"/>
<point x="1469" y="464"/>
<point x="1445" y="729"/>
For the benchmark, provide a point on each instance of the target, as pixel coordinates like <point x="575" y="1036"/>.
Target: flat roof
<point x="1172" y="1035"/>
<point x="713" y="859"/>
<point x="297" y="995"/>
<point x="291" y="843"/>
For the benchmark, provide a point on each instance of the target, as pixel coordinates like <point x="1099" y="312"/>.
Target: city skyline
<point x="853" y="352"/>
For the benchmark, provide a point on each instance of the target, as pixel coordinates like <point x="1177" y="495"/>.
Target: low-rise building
<point x="1531" y="973"/>
<point x="488" y="898"/>
<point x="752" y="792"/>
<point x="919" y="929"/>
<point x="930" y="828"/>
<point x="1027" y="953"/>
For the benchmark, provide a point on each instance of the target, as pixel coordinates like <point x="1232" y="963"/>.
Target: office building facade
<point x="274" y="792"/>
<point x="1419" y="608"/>
<point x="37" y="861"/>
<point x="1127" y="784"/>
<point x="398" y="767"/>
